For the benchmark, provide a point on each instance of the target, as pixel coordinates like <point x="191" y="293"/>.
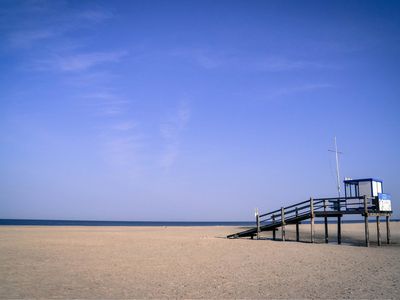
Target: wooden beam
<point x="312" y="219"/>
<point x="297" y="227"/>
<point x="274" y="230"/>
<point x="366" y="230"/>
<point x="283" y="223"/>
<point x="366" y="222"/>
<point x="326" y="224"/>
<point x="378" y="232"/>
<point x="258" y="224"/>
<point x="388" y="229"/>
<point x="339" y="223"/>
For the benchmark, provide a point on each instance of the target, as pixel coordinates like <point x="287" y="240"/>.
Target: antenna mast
<point x="337" y="167"/>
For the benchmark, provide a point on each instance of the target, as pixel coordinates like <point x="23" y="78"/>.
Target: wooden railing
<point x="323" y="207"/>
<point x="309" y="207"/>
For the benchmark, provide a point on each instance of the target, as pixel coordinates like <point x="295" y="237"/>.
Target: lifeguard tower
<point x="363" y="197"/>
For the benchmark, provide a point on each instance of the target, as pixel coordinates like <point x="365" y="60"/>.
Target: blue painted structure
<point x="372" y="188"/>
<point x="352" y="187"/>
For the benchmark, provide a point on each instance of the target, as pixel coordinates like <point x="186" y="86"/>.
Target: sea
<point x="34" y="222"/>
<point x="30" y="222"/>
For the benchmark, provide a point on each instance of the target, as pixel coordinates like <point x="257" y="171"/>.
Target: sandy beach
<point x="194" y="262"/>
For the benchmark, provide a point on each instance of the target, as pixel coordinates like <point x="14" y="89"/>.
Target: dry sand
<point x="193" y="262"/>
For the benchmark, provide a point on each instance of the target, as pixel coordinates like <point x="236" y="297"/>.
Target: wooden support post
<point x="388" y="229"/>
<point x="378" y="232"/>
<point x="339" y="224"/>
<point x="326" y="224"/>
<point x="297" y="227"/>
<point x="274" y="230"/>
<point x="312" y="219"/>
<point x="366" y="222"/>
<point x="283" y="223"/>
<point x="258" y="224"/>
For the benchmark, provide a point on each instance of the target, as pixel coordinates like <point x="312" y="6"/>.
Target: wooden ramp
<point x="269" y="227"/>
<point x="318" y="208"/>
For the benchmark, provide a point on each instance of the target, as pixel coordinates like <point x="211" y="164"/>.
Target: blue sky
<point x="193" y="110"/>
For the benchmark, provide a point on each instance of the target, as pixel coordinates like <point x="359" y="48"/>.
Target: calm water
<point x="143" y="223"/>
<point x="116" y="223"/>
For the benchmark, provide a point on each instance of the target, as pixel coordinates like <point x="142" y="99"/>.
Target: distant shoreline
<point x="34" y="222"/>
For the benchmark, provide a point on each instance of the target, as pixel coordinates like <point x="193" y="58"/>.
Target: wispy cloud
<point x="124" y="125"/>
<point x="105" y="103"/>
<point x="47" y="20"/>
<point x="121" y="141"/>
<point x="78" y="62"/>
<point x="236" y="60"/>
<point x="56" y="38"/>
<point x="123" y="150"/>
<point x="171" y="131"/>
<point x="280" y="64"/>
<point x="25" y="38"/>
<point x="200" y="57"/>
<point x="95" y="15"/>
<point x="293" y="90"/>
<point x="90" y="79"/>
